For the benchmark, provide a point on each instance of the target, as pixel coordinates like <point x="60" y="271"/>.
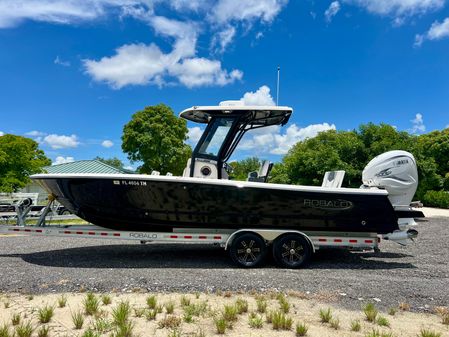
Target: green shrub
<point x="220" y="325"/>
<point x="43" y="331"/>
<point x="241" y="306"/>
<point x="150" y="314"/>
<point x="123" y="330"/>
<point x="174" y="333"/>
<point x="230" y="313"/>
<point x="436" y="199"/>
<point x="185" y="300"/>
<point x="90" y="333"/>
<point x="376" y="333"/>
<point x="355" y="325"/>
<point x="335" y="323"/>
<point x="445" y="319"/>
<point x="325" y="315"/>
<point x="62" y="301"/>
<point x="102" y="325"/>
<point x="106" y="299"/>
<point x="261" y="305"/>
<point x="392" y="311"/>
<point x="429" y="333"/>
<point x="280" y="321"/>
<point x="120" y="314"/>
<point x="15" y="319"/>
<point x="255" y="321"/>
<point x="170" y="322"/>
<point x="91" y="304"/>
<point x="4" y="331"/>
<point x="45" y="314"/>
<point x="24" y="329"/>
<point x="169" y="307"/>
<point x="370" y="312"/>
<point x="138" y="312"/>
<point x="383" y="321"/>
<point x="151" y="302"/>
<point x="77" y="319"/>
<point x="301" y="329"/>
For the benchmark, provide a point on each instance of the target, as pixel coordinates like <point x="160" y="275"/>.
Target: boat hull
<point x="148" y="203"/>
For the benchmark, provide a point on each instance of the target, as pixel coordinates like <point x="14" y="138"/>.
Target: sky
<point x="74" y="71"/>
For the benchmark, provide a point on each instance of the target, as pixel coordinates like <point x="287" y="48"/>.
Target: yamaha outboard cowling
<point x="396" y="172"/>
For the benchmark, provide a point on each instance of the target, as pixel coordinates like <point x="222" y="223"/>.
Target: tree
<point x="155" y="137"/>
<point x="19" y="158"/>
<point x="114" y="162"/>
<point x="240" y="169"/>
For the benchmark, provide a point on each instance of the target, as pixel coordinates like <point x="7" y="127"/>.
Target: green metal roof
<point x="84" y="166"/>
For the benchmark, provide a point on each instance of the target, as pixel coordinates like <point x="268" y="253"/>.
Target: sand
<point x="403" y="323"/>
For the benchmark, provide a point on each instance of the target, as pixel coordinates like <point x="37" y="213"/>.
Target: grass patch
<point x="77" y="319"/>
<point x="139" y="312"/>
<point x="255" y="321"/>
<point x="91" y="304"/>
<point x="15" y="319"/>
<point x="355" y="326"/>
<point x="45" y="314"/>
<point x="170" y="322"/>
<point x="106" y="299"/>
<point x="120" y="314"/>
<point x="301" y="329"/>
<point x="383" y="321"/>
<point x="445" y="319"/>
<point x="24" y="329"/>
<point x="6" y="304"/>
<point x="174" y="333"/>
<point x="185" y="301"/>
<point x="230" y="313"/>
<point x="5" y="332"/>
<point x="151" y="302"/>
<point x="283" y="303"/>
<point x="325" y="315"/>
<point x="370" y="312"/>
<point x="335" y="323"/>
<point x="124" y="330"/>
<point x="261" y="305"/>
<point x="429" y="333"/>
<point x="151" y="314"/>
<point x="196" y="309"/>
<point x="377" y="333"/>
<point x="169" y="307"/>
<point x="392" y="311"/>
<point x="102" y="325"/>
<point x="90" y="333"/>
<point x="30" y="297"/>
<point x="280" y="321"/>
<point x="220" y="325"/>
<point x="241" y="306"/>
<point x="62" y="301"/>
<point x="43" y="331"/>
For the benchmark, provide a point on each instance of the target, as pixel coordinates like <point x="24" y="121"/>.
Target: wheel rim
<point x="292" y="252"/>
<point x="248" y="252"/>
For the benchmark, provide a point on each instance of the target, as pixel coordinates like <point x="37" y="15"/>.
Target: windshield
<point x="216" y="136"/>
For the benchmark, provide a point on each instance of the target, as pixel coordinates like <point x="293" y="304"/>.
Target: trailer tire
<point x="248" y="250"/>
<point x="291" y="251"/>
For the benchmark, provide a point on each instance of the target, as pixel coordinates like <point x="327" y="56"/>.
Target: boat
<point x="205" y="197"/>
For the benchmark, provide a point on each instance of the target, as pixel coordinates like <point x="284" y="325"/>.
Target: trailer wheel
<point x="291" y="251"/>
<point x="248" y="250"/>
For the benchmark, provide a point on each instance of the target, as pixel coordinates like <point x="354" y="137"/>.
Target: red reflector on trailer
<point x="173" y="236"/>
<point x="79" y="232"/>
<point x="16" y="230"/>
<point x="38" y="230"/>
<point x="187" y="236"/>
<point x="322" y="240"/>
<point x="338" y="240"/>
<point x="353" y="241"/>
<point x="368" y="241"/>
<point x="67" y="232"/>
<point x="116" y="234"/>
<point x="217" y="237"/>
<point x="27" y="230"/>
<point x="104" y="234"/>
<point x="202" y="237"/>
<point x="91" y="233"/>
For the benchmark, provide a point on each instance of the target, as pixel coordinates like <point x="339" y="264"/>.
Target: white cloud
<point x="418" y="124"/>
<point x="61" y="62"/>
<point x="35" y="133"/>
<point x="194" y="135"/>
<point x="1" y="133"/>
<point x="398" y="7"/>
<point x="63" y="160"/>
<point x="223" y="38"/>
<point x="333" y="9"/>
<point x="13" y="12"/>
<point x="107" y="143"/>
<point x="248" y="10"/>
<point x="437" y="31"/>
<point x="130" y="168"/>
<point x="260" y="97"/>
<point x="61" y="141"/>
<point x="273" y="140"/>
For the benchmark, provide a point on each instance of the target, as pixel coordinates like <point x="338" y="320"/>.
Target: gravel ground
<point x="417" y="274"/>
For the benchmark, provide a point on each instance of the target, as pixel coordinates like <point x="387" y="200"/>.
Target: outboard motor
<point x="396" y="172"/>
